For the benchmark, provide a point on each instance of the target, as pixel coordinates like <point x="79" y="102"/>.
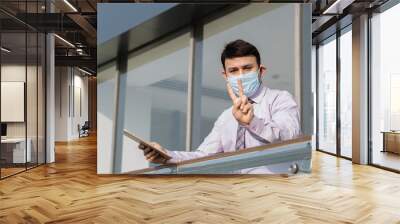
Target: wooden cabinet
<point x="391" y="141"/>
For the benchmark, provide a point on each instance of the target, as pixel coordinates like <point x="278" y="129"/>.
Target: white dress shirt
<point x="276" y="117"/>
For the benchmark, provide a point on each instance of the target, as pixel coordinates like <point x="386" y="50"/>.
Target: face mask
<point x="250" y="83"/>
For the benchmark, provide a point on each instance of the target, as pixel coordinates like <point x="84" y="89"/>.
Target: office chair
<point x="84" y="130"/>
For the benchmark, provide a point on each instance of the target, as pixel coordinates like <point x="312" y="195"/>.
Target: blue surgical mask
<point x="250" y="83"/>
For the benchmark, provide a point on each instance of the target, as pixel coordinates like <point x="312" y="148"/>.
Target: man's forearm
<point x="178" y="156"/>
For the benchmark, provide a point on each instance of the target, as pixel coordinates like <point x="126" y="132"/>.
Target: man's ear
<point x="223" y="73"/>
<point x="263" y="70"/>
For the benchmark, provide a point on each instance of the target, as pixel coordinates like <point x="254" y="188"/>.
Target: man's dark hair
<point x="239" y="48"/>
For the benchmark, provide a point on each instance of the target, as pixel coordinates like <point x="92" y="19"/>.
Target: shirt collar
<point x="259" y="94"/>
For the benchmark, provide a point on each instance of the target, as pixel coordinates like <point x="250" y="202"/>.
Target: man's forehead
<point x="240" y="61"/>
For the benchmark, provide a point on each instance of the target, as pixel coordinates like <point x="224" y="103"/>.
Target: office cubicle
<point x="22" y="77"/>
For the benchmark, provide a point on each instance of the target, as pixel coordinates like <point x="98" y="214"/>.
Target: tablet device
<point x="143" y="142"/>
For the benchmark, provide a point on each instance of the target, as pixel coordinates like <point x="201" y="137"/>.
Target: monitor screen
<point x="3" y="129"/>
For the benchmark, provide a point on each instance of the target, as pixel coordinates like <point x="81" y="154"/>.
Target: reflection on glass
<point x="327" y="96"/>
<point x="156" y="97"/>
<point x="31" y="100"/>
<point x="276" y="51"/>
<point x="314" y="91"/>
<point x="22" y="90"/>
<point x="14" y="152"/>
<point x="41" y="99"/>
<point x="345" y="94"/>
<point x="385" y="85"/>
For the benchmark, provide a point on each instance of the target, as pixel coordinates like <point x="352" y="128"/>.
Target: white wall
<point x="14" y="73"/>
<point x="17" y="73"/>
<point x="12" y="101"/>
<point x="61" y="103"/>
<point x="68" y="81"/>
<point x="33" y="126"/>
<point x="80" y="83"/>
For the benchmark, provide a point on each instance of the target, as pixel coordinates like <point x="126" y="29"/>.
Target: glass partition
<point x="14" y="153"/>
<point x="277" y="52"/>
<point x="327" y="95"/>
<point x="346" y="92"/>
<point x="41" y="97"/>
<point x="31" y="98"/>
<point x="22" y="91"/>
<point x="154" y="91"/>
<point x="385" y="89"/>
<point x="156" y="96"/>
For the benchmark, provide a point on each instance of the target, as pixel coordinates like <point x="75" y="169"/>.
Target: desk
<point x="13" y="150"/>
<point x="391" y="141"/>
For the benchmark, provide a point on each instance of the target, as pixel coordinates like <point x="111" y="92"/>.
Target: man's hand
<point x="242" y="109"/>
<point x="152" y="155"/>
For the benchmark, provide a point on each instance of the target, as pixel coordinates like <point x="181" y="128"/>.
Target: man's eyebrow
<point x="242" y="66"/>
<point x="247" y="65"/>
<point x="231" y="68"/>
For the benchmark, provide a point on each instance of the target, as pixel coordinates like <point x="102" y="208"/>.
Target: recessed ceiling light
<point x="84" y="71"/>
<point x="70" y="5"/>
<point x="65" y="41"/>
<point x="337" y="7"/>
<point x="5" y="50"/>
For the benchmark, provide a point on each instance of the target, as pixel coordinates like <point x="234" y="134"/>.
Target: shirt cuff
<point x="174" y="157"/>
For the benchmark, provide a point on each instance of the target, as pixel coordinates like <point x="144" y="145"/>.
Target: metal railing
<point x="296" y="153"/>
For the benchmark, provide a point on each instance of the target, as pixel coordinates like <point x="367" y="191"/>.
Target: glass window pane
<point x="106" y="79"/>
<point x="32" y="89"/>
<point x="31" y="97"/>
<point x="385" y="84"/>
<point x="13" y="87"/>
<point x="156" y="97"/>
<point x="41" y="98"/>
<point x="327" y="96"/>
<point x="277" y="52"/>
<point x="314" y="92"/>
<point x="346" y="94"/>
<point x="23" y="85"/>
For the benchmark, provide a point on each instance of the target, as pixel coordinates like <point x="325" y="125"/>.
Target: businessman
<point x="258" y="115"/>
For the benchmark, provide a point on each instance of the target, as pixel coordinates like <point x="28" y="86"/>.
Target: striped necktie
<point x="240" y="135"/>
